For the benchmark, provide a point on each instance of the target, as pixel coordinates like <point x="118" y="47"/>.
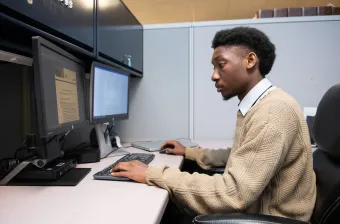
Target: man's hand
<point x="134" y="170"/>
<point x="176" y="148"/>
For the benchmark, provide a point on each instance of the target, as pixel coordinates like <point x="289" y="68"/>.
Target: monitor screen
<point x="60" y="90"/>
<point x="110" y="94"/>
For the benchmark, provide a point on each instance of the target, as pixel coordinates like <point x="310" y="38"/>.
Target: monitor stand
<point x="46" y="153"/>
<point x="47" y="168"/>
<point x="105" y="142"/>
<point x="14" y="172"/>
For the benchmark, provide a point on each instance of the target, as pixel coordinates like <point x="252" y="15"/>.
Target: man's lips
<point x="219" y="88"/>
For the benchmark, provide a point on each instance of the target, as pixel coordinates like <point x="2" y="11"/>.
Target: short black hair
<point x="251" y="38"/>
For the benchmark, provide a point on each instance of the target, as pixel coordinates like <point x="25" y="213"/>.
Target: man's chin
<point x="228" y="96"/>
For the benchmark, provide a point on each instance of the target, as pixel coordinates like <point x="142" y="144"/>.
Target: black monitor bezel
<point x="109" y="118"/>
<point x="37" y="43"/>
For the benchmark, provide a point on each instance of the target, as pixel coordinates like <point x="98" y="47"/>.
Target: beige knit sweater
<point x="269" y="169"/>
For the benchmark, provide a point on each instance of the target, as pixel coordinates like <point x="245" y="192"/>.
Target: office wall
<point x="159" y="102"/>
<point x="170" y="103"/>
<point x="306" y="66"/>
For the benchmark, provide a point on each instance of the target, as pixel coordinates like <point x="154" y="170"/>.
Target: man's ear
<point x="251" y="60"/>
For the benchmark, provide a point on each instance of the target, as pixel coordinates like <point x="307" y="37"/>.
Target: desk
<point x="91" y="201"/>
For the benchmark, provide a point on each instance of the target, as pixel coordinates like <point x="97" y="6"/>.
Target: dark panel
<point x="16" y="113"/>
<point x="75" y="22"/>
<point x="120" y="35"/>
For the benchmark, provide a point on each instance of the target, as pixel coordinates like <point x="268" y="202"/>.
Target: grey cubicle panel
<point x="306" y="66"/>
<point x="176" y="97"/>
<point x="159" y="102"/>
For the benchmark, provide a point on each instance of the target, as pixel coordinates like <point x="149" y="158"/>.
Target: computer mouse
<point x="166" y="147"/>
<point x="163" y="151"/>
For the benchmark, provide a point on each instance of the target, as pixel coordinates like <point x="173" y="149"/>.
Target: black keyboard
<point x="106" y="175"/>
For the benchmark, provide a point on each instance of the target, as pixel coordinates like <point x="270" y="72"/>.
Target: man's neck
<point x="250" y="85"/>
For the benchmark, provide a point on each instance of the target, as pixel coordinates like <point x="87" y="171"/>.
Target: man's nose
<point x="215" y="76"/>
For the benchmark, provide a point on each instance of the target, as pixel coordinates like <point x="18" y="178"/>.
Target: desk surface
<point x="91" y="201"/>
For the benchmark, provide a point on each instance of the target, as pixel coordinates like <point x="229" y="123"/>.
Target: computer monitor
<point x="59" y="80"/>
<point x="109" y="94"/>
<point x="109" y="101"/>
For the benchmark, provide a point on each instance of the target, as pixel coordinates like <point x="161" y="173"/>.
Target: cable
<point x="24" y="146"/>
<point x="24" y="143"/>
<point x="113" y="149"/>
<point x="18" y="150"/>
<point x="63" y="139"/>
<point x="51" y="139"/>
<point x="7" y="165"/>
<point x="110" y="131"/>
<point x="107" y="128"/>
<point x="110" y="128"/>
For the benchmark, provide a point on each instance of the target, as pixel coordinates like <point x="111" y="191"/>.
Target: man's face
<point x="230" y="71"/>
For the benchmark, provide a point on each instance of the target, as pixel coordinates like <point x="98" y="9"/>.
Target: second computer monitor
<point x="109" y="94"/>
<point x="59" y="80"/>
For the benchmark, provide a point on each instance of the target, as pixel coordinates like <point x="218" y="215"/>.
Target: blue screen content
<point x="110" y="93"/>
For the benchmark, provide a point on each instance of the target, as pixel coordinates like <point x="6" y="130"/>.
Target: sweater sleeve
<point x="250" y="167"/>
<point x="208" y="158"/>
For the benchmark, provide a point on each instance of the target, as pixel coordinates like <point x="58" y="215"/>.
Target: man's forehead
<point x="220" y="51"/>
<point x="224" y="51"/>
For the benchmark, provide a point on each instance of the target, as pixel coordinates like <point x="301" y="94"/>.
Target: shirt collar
<point x="257" y="92"/>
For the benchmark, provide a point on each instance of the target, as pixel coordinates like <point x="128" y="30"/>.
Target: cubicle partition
<point x="159" y="102"/>
<point x="177" y="99"/>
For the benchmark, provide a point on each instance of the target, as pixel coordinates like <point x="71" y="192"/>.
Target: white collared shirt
<point x="255" y="94"/>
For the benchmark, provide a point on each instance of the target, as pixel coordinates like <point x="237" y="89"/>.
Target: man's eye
<point x="221" y="65"/>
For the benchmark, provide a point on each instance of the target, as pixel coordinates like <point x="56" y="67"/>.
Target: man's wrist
<point x="184" y="150"/>
<point x="190" y="153"/>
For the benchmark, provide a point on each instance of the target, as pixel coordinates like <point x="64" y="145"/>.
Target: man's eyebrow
<point x="215" y="58"/>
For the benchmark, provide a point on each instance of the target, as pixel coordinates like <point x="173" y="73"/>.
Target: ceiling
<point x="175" y="11"/>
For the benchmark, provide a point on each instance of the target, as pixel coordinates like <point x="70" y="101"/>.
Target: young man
<point x="269" y="169"/>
